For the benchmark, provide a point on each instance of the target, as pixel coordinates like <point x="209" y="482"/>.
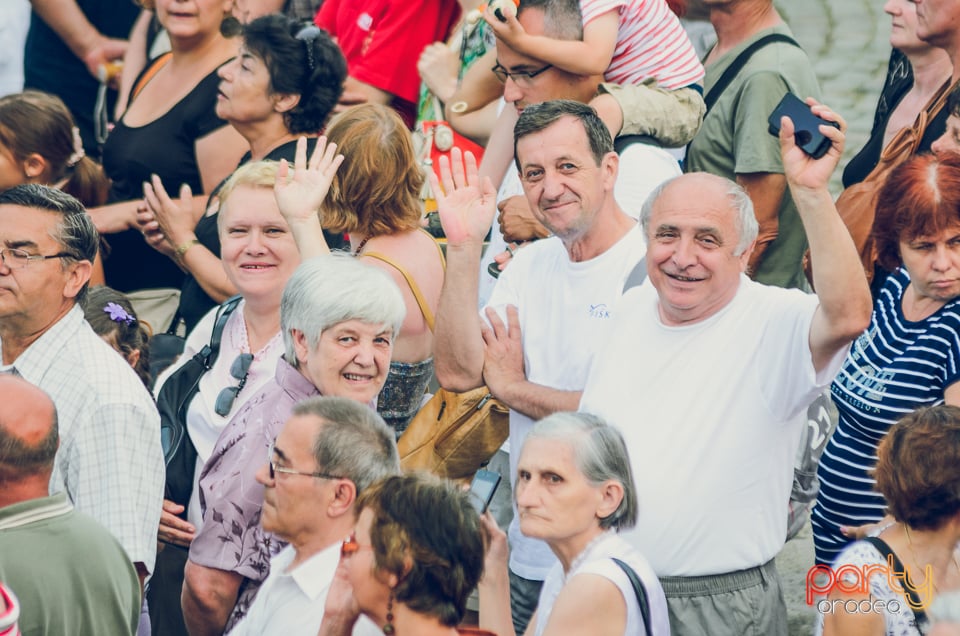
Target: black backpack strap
<point x="640" y="591"/>
<point x="916" y="604"/>
<point x="714" y="93"/>
<point x="218" y="326"/>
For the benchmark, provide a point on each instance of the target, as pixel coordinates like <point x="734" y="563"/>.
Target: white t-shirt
<point x="712" y="414"/>
<point x="291" y="603"/>
<point x="598" y="559"/>
<point x="565" y="312"/>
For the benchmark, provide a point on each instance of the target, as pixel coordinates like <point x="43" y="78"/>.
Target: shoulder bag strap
<point x="909" y="590"/>
<point x="157" y="64"/>
<point x="640" y="591"/>
<point x="218" y="326"/>
<point x="714" y="93"/>
<point x="421" y="301"/>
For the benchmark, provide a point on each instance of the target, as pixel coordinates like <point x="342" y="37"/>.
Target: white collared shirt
<point x="291" y="602"/>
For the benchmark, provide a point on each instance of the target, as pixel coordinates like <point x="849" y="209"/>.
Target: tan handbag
<point x="857" y="204"/>
<point x="455" y="433"/>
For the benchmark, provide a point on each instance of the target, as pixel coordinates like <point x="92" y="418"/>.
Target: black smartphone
<point x="482" y="487"/>
<point x="806" y="125"/>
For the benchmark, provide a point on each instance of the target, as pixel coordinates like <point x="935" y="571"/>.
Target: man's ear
<point x="78" y="275"/>
<point x="344" y="496"/>
<point x="34" y="168"/>
<point x="285" y="102"/>
<point x="745" y="257"/>
<point x="609" y="167"/>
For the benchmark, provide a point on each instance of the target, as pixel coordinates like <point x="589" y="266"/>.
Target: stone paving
<point x="847" y="42"/>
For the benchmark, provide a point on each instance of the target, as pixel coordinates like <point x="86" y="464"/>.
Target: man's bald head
<point x="29" y="435"/>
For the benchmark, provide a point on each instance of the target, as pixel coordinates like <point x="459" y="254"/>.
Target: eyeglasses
<point x="239" y="370"/>
<point x="522" y="78"/>
<point x="274" y="469"/>
<point x="307" y="35"/>
<point x="350" y="546"/>
<point x="18" y="259"/>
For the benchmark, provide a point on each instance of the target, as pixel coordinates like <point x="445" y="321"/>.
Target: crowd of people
<point x="242" y="241"/>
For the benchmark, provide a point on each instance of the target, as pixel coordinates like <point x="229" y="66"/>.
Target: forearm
<point x="476" y="125"/>
<point x="457" y="343"/>
<point x="116" y="217"/>
<point x="478" y="87"/>
<point x="573" y="56"/>
<point x="494" y="595"/>
<point x="207" y="269"/>
<point x="70" y="23"/>
<point x="838" y="275"/>
<point x="498" y="155"/>
<point x="308" y="235"/>
<point x="535" y="400"/>
<point x="207" y="599"/>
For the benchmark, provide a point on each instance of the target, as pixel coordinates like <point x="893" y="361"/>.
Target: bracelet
<point x="182" y="249"/>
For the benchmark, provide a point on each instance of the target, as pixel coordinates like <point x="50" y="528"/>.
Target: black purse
<point x="174" y="398"/>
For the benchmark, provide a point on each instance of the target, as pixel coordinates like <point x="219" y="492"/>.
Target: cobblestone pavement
<point x="847" y="42"/>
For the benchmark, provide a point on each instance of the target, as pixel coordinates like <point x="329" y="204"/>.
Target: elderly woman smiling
<point x="575" y="491"/>
<point x="338" y="317"/>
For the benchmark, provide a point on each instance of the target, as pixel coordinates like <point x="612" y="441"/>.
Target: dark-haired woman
<point x="282" y="85"/>
<point x="909" y="356"/>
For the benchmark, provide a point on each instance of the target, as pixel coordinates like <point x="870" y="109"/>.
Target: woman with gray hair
<point x="575" y="491"/>
<point x="339" y="317"/>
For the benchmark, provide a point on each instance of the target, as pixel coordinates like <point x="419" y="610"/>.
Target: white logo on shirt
<point x="365" y="21"/>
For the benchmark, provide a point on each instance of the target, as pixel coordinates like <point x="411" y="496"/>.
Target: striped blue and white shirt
<point x="893" y="368"/>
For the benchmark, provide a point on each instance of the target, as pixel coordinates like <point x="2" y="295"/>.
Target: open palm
<point x="300" y="194"/>
<point x="465" y="204"/>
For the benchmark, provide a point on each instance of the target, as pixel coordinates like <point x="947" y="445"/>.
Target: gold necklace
<point x="916" y="561"/>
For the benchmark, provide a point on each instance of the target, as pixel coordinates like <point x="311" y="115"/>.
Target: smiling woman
<point x="338" y="319"/>
<point x="909" y="355"/>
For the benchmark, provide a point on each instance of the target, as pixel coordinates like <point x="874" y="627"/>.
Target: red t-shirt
<point x="382" y="41"/>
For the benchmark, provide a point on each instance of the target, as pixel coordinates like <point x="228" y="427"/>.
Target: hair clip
<point x="118" y="313"/>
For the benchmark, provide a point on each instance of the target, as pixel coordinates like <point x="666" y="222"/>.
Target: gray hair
<point x="563" y="19"/>
<point x="537" y="117"/>
<point x="330" y="289"/>
<point x="76" y="234"/>
<point x="600" y="453"/>
<point x="745" y="221"/>
<point x="354" y="442"/>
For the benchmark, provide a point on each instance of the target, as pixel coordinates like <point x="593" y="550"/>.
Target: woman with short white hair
<point x="575" y="490"/>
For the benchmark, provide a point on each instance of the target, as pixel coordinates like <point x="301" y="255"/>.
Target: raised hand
<point x="300" y="194"/>
<point x="176" y="219"/>
<point x="802" y="170"/>
<point x="465" y="204"/>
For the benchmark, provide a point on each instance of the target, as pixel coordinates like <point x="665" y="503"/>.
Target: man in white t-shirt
<point x="329" y="451"/>
<point x="552" y="307"/>
<point x="708" y="374"/>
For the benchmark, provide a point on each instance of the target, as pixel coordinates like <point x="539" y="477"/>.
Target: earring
<point x="388" y="629"/>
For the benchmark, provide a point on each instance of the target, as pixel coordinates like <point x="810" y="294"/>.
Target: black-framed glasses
<point x="522" y="78"/>
<point x="308" y="35"/>
<point x="239" y="370"/>
<point x="15" y="258"/>
<point x="274" y="469"/>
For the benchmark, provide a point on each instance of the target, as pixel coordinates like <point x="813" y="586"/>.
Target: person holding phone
<point x="575" y="490"/>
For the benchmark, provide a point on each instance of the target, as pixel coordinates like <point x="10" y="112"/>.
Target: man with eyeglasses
<point x="110" y="463"/>
<point x="642" y="167"/>
<point x="328" y="452"/>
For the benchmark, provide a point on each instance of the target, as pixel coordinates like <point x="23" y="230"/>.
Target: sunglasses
<point x="239" y="371"/>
